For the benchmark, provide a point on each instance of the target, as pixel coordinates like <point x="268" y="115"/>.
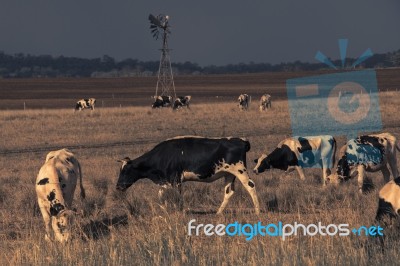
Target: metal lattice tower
<point x="165" y="83"/>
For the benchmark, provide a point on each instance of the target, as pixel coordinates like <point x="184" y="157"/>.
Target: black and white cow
<point x="300" y="152"/>
<point x="243" y="101"/>
<point x="85" y="103"/>
<point x="389" y="200"/>
<point x="182" y="101"/>
<point x="192" y="158"/>
<point x="55" y="188"/>
<point x="265" y="102"/>
<point x="162" y="101"/>
<point x="368" y="153"/>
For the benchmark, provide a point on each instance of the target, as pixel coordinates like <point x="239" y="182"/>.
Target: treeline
<point x="27" y="66"/>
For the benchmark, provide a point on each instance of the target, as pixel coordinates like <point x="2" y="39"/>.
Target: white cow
<point x="299" y="153"/>
<point x="389" y="200"/>
<point x="265" y="102"/>
<point x="55" y="187"/>
<point x="85" y="103"/>
<point x="243" y="101"/>
<point x="368" y="153"/>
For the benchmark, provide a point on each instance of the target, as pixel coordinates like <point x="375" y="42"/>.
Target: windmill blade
<point x="154" y="21"/>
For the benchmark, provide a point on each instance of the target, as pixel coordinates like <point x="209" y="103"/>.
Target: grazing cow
<point x="162" y="101"/>
<point x="55" y="187"/>
<point x="243" y="101"/>
<point x="182" y="101"/>
<point x="85" y="103"/>
<point x="191" y="158"/>
<point x="265" y="102"/>
<point x="301" y="152"/>
<point x="389" y="200"/>
<point x="369" y="153"/>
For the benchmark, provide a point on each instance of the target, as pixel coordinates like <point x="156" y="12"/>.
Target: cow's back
<point x="311" y="150"/>
<point x="191" y="152"/>
<point x="389" y="199"/>
<point x="63" y="170"/>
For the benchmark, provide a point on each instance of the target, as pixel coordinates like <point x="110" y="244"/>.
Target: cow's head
<point x="129" y="174"/>
<point x="262" y="164"/>
<point x="61" y="224"/>
<point x="343" y="172"/>
<point x="78" y="106"/>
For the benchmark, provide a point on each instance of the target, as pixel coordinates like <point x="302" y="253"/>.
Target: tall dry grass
<point x="138" y="228"/>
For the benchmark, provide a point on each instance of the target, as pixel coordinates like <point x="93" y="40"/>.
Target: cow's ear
<point x="256" y="160"/>
<point x="125" y="160"/>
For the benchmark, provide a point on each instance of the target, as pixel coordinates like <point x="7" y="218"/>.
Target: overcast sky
<point x="206" y="31"/>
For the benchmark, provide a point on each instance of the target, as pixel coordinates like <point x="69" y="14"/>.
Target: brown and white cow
<point x="85" y="103"/>
<point x="265" y="102"/>
<point x="368" y="153"/>
<point x="243" y="101"/>
<point x="55" y="187"/>
<point x="389" y="200"/>
<point x="298" y="153"/>
<point x="162" y="101"/>
<point x="182" y="101"/>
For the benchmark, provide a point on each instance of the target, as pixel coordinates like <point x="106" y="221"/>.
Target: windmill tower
<point x="165" y="83"/>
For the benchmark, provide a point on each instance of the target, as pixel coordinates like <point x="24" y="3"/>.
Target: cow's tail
<point x="398" y="145"/>
<point x="246" y="145"/>
<point x="83" y="193"/>
<point x="334" y="153"/>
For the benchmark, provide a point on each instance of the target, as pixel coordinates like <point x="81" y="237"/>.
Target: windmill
<point x="165" y="84"/>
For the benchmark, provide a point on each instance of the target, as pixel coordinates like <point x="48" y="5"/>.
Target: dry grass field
<point x="138" y="228"/>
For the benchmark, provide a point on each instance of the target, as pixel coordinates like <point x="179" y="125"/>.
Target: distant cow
<point x="191" y="158"/>
<point x="299" y="153"/>
<point x="55" y="187"/>
<point x="85" y="103"/>
<point x="369" y="153"/>
<point x="162" y="101"/>
<point x="182" y="101"/>
<point x="243" y="101"/>
<point x="265" y="102"/>
<point x="389" y="200"/>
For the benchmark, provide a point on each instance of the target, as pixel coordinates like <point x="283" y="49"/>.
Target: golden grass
<point x="139" y="229"/>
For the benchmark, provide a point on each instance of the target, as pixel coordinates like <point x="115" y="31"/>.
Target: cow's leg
<point x="229" y="189"/>
<point x="385" y="173"/>
<point x="240" y="171"/>
<point x="301" y="172"/>
<point x="179" y="185"/>
<point x="46" y="218"/>
<point x="162" y="190"/>
<point x="361" y="175"/>
<point x="325" y="173"/>
<point x="393" y="165"/>
<point x="251" y="188"/>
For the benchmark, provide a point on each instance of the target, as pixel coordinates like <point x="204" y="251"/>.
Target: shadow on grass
<point x="102" y="228"/>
